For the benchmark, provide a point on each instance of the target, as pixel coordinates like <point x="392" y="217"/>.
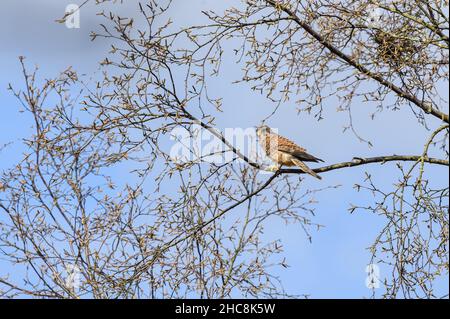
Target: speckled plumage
<point x="285" y="152"/>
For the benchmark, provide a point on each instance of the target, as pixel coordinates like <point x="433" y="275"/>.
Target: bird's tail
<point x="305" y="168"/>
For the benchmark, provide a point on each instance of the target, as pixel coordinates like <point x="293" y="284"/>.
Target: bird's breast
<point x="281" y="158"/>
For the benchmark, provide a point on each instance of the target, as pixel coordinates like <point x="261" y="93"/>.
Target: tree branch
<point x="357" y="161"/>
<point x="421" y="104"/>
<point x="145" y="264"/>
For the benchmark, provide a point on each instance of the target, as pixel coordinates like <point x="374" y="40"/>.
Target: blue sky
<point x="333" y="265"/>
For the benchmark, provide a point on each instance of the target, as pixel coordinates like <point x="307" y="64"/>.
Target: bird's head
<point x="262" y="130"/>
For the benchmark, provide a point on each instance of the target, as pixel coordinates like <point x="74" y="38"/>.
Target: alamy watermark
<point x="72" y="16"/>
<point x="201" y="145"/>
<point x="73" y="279"/>
<point x="373" y="276"/>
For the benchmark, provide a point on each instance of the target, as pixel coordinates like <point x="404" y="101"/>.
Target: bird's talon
<point x="272" y="168"/>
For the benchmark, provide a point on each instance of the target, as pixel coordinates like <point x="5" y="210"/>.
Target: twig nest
<point x="396" y="47"/>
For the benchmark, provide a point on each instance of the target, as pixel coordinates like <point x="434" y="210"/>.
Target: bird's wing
<point x="287" y="146"/>
<point x="305" y="168"/>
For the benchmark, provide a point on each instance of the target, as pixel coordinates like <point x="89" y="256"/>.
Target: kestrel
<point x="285" y="152"/>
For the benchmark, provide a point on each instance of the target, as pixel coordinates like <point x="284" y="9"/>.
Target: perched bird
<point x="285" y="152"/>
